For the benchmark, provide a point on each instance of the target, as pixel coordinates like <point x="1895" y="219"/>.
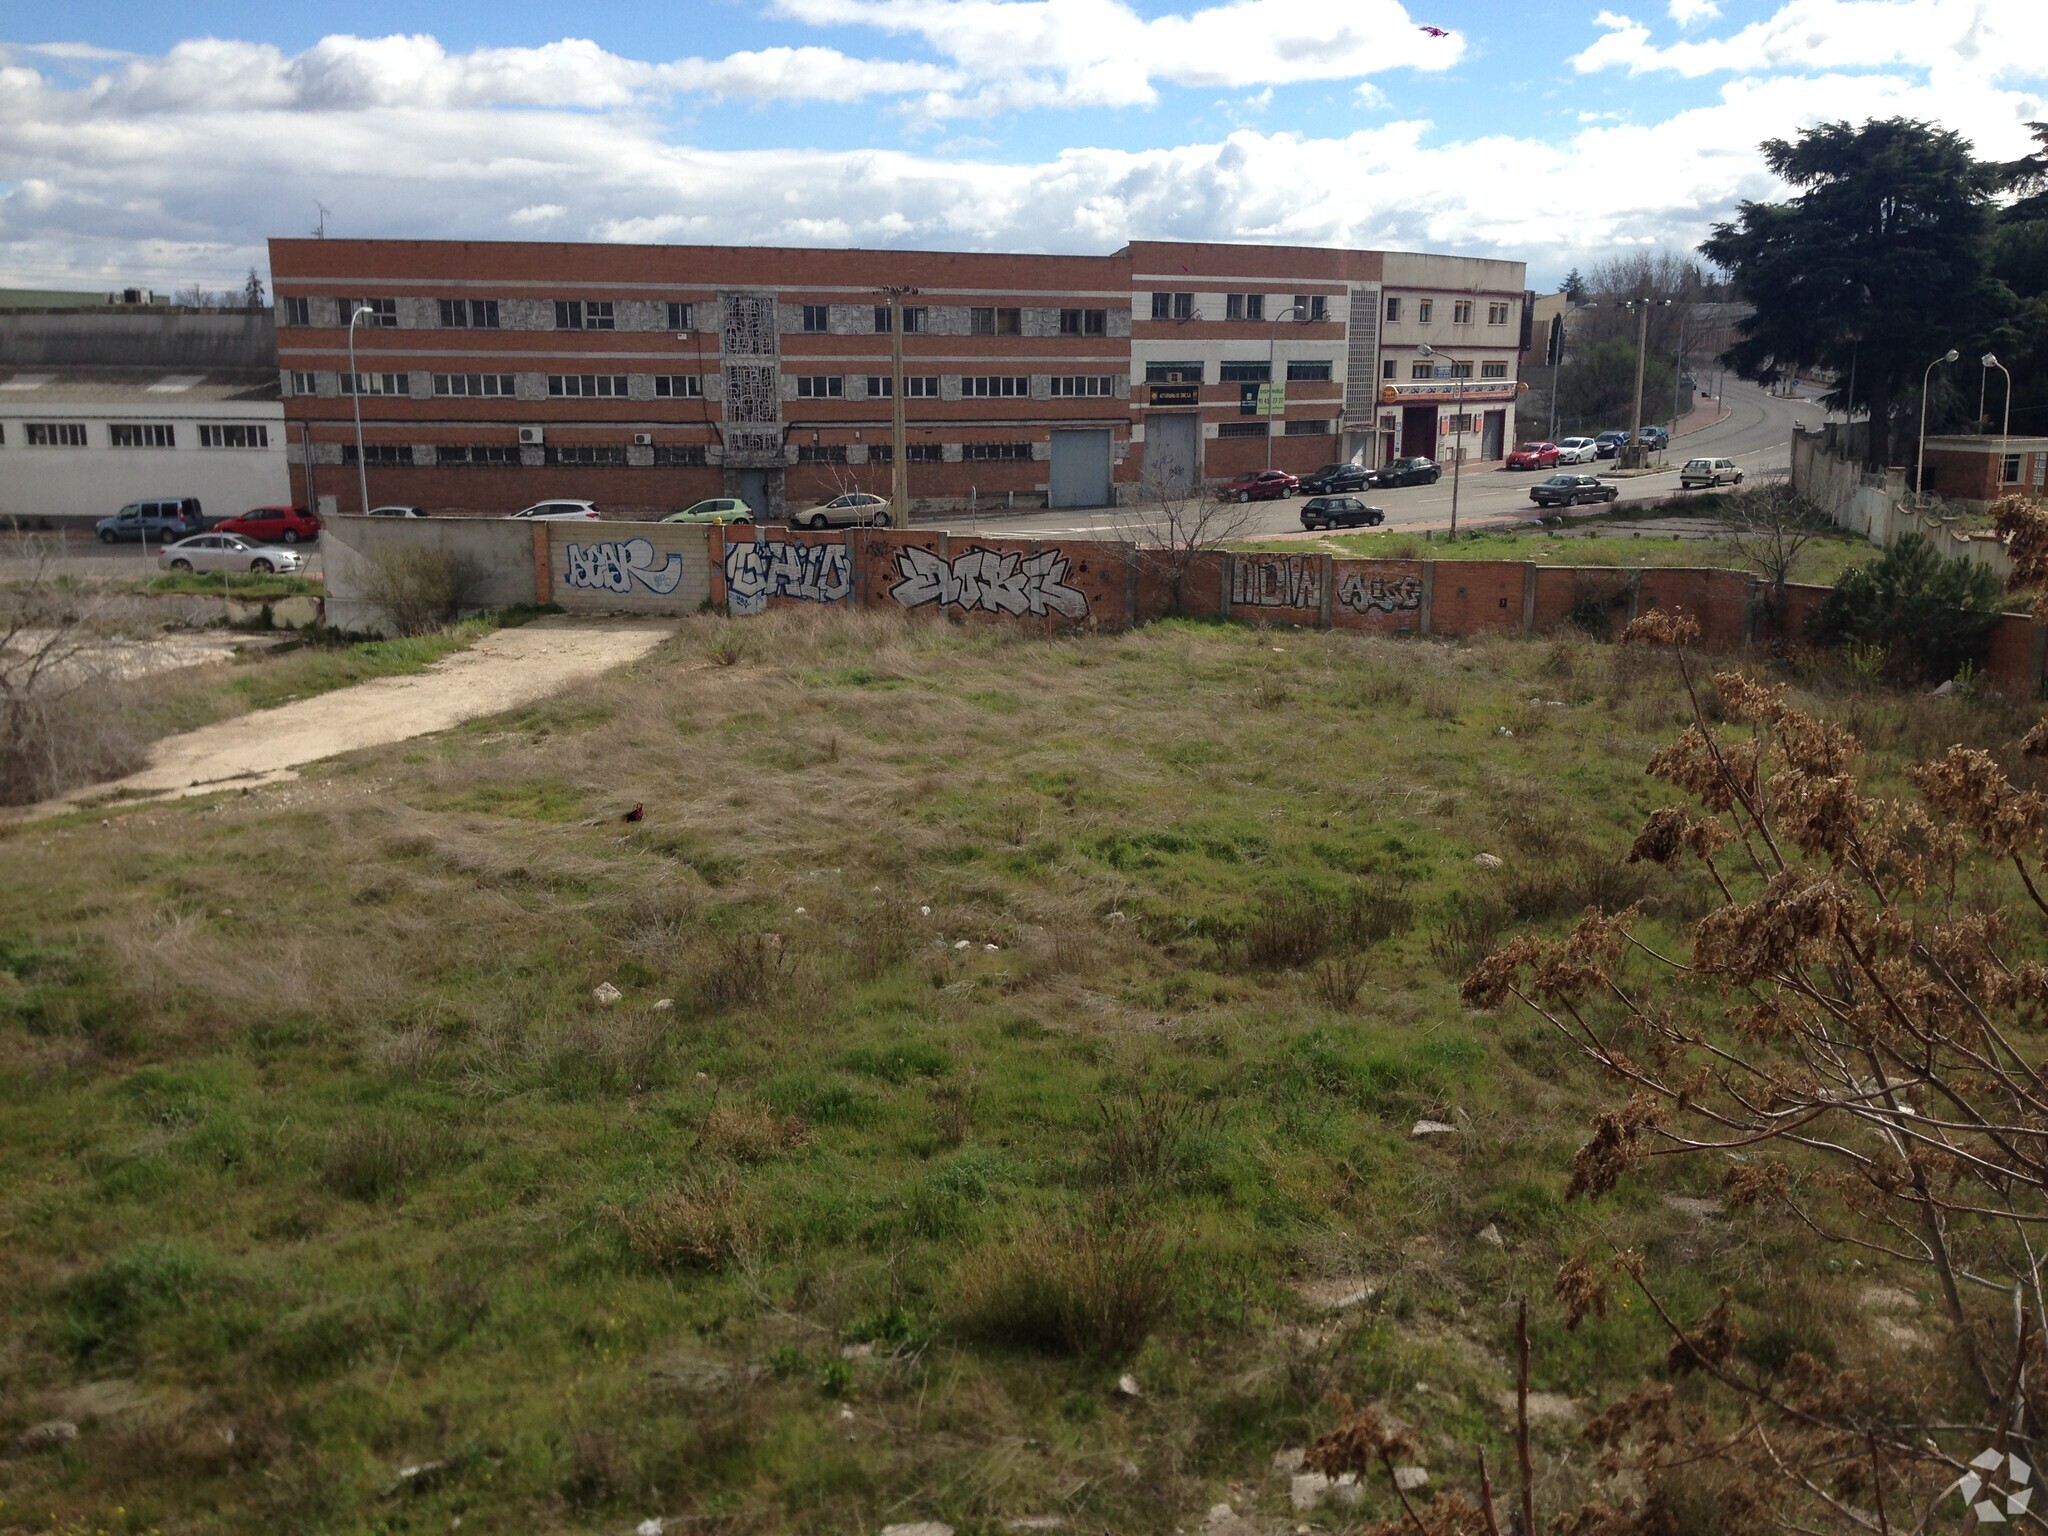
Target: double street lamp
<point x="1459" y="369"/>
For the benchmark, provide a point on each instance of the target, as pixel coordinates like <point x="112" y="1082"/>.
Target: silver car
<point x="856" y="509"/>
<point x="226" y="552"/>
<point x="1577" y="450"/>
<point x="561" y="512"/>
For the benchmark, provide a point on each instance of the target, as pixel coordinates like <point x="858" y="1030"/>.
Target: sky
<point x="163" y="144"/>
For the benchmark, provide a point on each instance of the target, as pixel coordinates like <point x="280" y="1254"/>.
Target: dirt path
<point x="502" y="671"/>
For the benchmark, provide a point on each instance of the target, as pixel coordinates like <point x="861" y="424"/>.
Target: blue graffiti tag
<point x="615" y="565"/>
<point x="813" y="573"/>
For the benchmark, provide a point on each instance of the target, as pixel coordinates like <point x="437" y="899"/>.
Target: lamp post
<point x="1920" y="461"/>
<point x="1457" y="424"/>
<point x="1272" y="344"/>
<point x="1635" y="451"/>
<point x="899" y="452"/>
<point x="1990" y="361"/>
<point x="355" y="396"/>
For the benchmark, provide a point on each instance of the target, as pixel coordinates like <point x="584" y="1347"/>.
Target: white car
<point x="856" y="509"/>
<point x="396" y="511"/>
<point x="226" y="552"/>
<point x="561" y="512"/>
<point x="1703" y="472"/>
<point x="1577" y="450"/>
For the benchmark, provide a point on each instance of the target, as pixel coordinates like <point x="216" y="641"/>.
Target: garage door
<point x="1173" y="454"/>
<point x="1080" y="469"/>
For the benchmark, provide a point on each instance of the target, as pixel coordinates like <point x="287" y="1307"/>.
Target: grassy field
<point x="248" y="586"/>
<point x="995" y="1016"/>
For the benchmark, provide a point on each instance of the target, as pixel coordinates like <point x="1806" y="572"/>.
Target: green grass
<point x="313" y="1128"/>
<point x="253" y="587"/>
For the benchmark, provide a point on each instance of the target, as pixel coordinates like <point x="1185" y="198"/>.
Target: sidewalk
<point x="1709" y="413"/>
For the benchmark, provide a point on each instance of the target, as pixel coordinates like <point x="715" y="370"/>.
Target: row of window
<point x="689" y="386"/>
<point x="1310" y="307"/>
<point x="400" y="455"/>
<point x="142" y="434"/>
<point x="1390" y="369"/>
<point x="1294" y="428"/>
<point x="601" y="315"/>
<point x="1302" y="371"/>
<point x="1461" y="311"/>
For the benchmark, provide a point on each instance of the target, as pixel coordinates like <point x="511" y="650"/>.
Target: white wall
<point x="96" y="481"/>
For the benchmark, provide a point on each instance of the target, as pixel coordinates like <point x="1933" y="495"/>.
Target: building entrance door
<point x="751" y="486"/>
<point x="1418" y="432"/>
<point x="1080" y="469"/>
<point x="1493" y="431"/>
<point x="1173" y="455"/>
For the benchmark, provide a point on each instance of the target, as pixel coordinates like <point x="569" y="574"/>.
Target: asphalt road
<point x="1756" y="433"/>
<point x="75" y="553"/>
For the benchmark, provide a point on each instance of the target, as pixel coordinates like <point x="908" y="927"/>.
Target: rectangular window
<point x="1493" y="370"/>
<point x="881" y="386"/>
<point x="1162" y="306"/>
<point x="1309" y="428"/>
<point x="1312" y="306"/>
<point x="1088" y="386"/>
<point x="995" y="453"/>
<point x="474" y="385"/>
<point x="377" y="453"/>
<point x="382" y="312"/>
<point x="681" y="316"/>
<point x="478" y="454"/>
<point x="305" y="383"/>
<point x="1496" y="314"/>
<point x="1389" y="369"/>
<point x="679" y="455"/>
<point x="1233" y="306"/>
<point x="297" y="311"/>
<point x="1084" y="322"/>
<point x="1424" y="308"/>
<point x="821" y="453"/>
<point x="470" y="314"/>
<point x="1244" y="373"/>
<point x="2009" y="470"/>
<point x="913" y="320"/>
<point x="882" y="319"/>
<point x="994" y="386"/>
<point x="924" y="453"/>
<point x="981" y="322"/>
<point x="56" y="434"/>
<point x="1461" y="312"/>
<point x="586" y="453"/>
<point x="1173" y="373"/>
<point x="1461" y="370"/>
<point x="678" y="386"/>
<point x="234" y="435"/>
<point x="148" y="434"/>
<point x="1422" y="370"/>
<point x="374" y="383"/>
<point x="1302" y="372"/>
<point x="817" y="317"/>
<point x="921" y="387"/>
<point x="1243" y="429"/>
<point x="1465" y="423"/>
<point x="820" y="386"/>
<point x="1393" y="310"/>
<point x="1255" y="306"/>
<point x="1183" y="306"/>
<point x="588" y="386"/>
<point x="583" y="315"/>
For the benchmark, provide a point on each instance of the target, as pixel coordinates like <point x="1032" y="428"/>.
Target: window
<point x="1461" y="312"/>
<point x="913" y="319"/>
<point x="1312" y="306"/>
<point x="1465" y="423"/>
<point x="820" y="386"/>
<point x="148" y="434"/>
<point x="994" y="386"/>
<point x="1389" y="369"/>
<point x="1424" y="308"/>
<point x="1461" y="370"/>
<point x="377" y="453"/>
<point x="995" y="453"/>
<point x="678" y="386"/>
<point x="1493" y="370"/>
<point x="478" y="454"/>
<point x="1173" y="373"/>
<point x="1173" y="306"/>
<point x="382" y="312"/>
<point x="305" y="383"/>
<point x="821" y="453"/>
<point x="296" y="311"/>
<point x="235" y="435"/>
<point x="588" y="386"/>
<point x="1309" y="428"/>
<point x="1244" y="306"/>
<point x="1496" y="314"/>
<point x="470" y="314"/>
<point x="681" y="317"/>
<point x="1243" y="429"/>
<point x="817" y="317"/>
<point x="679" y="455"/>
<point x="924" y="453"/>
<point x="995" y="322"/>
<point x="480" y="385"/>
<point x="1422" y="370"/>
<point x="583" y="315"/>
<point x="923" y="386"/>
<point x="1244" y="373"/>
<point x="882" y="317"/>
<point x="1300" y="372"/>
<point x="1084" y="322"/>
<point x="1393" y="311"/>
<point x="373" y="384"/>
<point x="881" y="386"/>
<point x="57" y="434"/>
<point x="585" y="453"/>
<point x="2009" y="470"/>
<point x="1085" y="386"/>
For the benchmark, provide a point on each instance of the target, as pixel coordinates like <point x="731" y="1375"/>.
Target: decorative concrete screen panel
<point x="627" y="567"/>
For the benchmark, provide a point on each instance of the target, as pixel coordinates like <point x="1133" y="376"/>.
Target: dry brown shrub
<point x="752" y="1133"/>
<point x="703" y="1222"/>
<point x="1096" y="1285"/>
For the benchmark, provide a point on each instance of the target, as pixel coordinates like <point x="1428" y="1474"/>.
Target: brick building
<point x="495" y="374"/>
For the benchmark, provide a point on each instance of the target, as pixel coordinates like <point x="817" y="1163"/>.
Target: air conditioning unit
<point x="643" y="439"/>
<point x="531" y="437"/>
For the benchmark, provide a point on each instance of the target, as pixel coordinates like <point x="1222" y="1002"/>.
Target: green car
<point x="719" y="509"/>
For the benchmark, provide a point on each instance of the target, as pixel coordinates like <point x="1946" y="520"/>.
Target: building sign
<point x="1262" y="399"/>
<point x="1176" y="394"/>
<point x="1434" y="394"/>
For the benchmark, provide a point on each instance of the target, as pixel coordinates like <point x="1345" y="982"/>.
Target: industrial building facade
<point x="493" y="375"/>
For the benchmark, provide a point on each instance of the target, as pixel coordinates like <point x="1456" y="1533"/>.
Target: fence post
<point x="1329" y="582"/>
<point x="853" y="567"/>
<point x="1228" y="566"/>
<point x="543" y="574"/>
<point x="1635" y="594"/>
<point x="1428" y="619"/>
<point x="1529" y="598"/>
<point x="2039" y="671"/>
<point x="1131" y="586"/>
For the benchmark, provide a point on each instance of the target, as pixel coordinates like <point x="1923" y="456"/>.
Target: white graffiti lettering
<point x="1362" y="594"/>
<point x="995" y="581"/>
<point x="1277" y="581"/>
<point x="814" y="573"/>
<point x="615" y="565"/>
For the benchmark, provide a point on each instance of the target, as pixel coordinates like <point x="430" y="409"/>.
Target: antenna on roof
<point x="320" y="230"/>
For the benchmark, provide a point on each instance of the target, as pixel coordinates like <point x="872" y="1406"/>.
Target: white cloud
<point x="1968" y="38"/>
<point x="536" y="214"/>
<point x="1686" y="12"/>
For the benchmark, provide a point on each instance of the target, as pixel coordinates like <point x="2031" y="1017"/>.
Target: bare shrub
<point x="1286" y="930"/>
<point x="1145" y="1138"/>
<point x="1093" y="1286"/>
<point x="1464" y="932"/>
<point x="751" y="1133"/>
<point x="375" y="1159"/>
<point x="58" y="725"/>
<point x="1440" y="699"/>
<point x="1336" y="982"/>
<point x="953" y="1106"/>
<point x="416" y="587"/>
<point x="746" y="970"/>
<point x="731" y="643"/>
<point x="704" y="1222"/>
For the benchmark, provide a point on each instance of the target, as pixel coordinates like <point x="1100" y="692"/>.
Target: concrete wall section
<point x="628" y="567"/>
<point x="494" y="562"/>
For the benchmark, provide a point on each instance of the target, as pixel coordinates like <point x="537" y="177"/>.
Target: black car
<point x="1570" y="490"/>
<point x="1339" y="512"/>
<point x="1608" y="443"/>
<point x="1336" y="477"/>
<point x="1408" y="472"/>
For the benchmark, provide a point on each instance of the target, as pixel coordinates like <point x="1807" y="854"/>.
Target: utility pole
<point x="1635" y="451"/>
<point x="1272" y="347"/>
<point x="899" y="453"/>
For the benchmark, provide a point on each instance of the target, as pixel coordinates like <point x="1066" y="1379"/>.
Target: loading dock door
<point x="1418" y="432"/>
<point x="1173" y="454"/>
<point x="1080" y="469"/>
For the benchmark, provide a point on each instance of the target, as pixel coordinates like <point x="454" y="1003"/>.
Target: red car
<point x="1535" y="456"/>
<point x="273" y="525"/>
<point x="1260" y="485"/>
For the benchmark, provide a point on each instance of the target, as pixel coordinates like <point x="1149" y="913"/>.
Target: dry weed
<point x="751" y="1133"/>
<point x="704" y="1222"/>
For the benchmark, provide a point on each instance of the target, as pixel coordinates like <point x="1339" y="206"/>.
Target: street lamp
<point x="1457" y="424"/>
<point x="1634" y="451"/>
<point x="1272" y="342"/>
<point x="1990" y="361"/>
<point x="1920" y="463"/>
<point x="355" y="396"/>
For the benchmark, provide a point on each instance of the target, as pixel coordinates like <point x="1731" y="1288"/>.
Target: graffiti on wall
<point x="1276" y="581"/>
<point x="615" y="564"/>
<point x="1386" y="594"/>
<point x="812" y="573"/>
<point x="990" y="580"/>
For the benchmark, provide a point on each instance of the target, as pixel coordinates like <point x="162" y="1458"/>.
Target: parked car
<point x="168" y="517"/>
<point x="1259" y="485"/>
<point x="1534" y="456"/>
<point x="226" y="552"/>
<point x="560" y="512"/>
<point x="1339" y="512"/>
<point x="1699" y="472"/>
<point x="1333" y="478"/>
<point x="1608" y="443"/>
<point x="395" y="511"/>
<point x="1654" y="437"/>
<point x="273" y="525"/>
<point x="1577" y="450"/>
<point x="856" y="509"/>
<point x="719" y="509"/>
<point x="1407" y="472"/>
<point x="1570" y="490"/>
